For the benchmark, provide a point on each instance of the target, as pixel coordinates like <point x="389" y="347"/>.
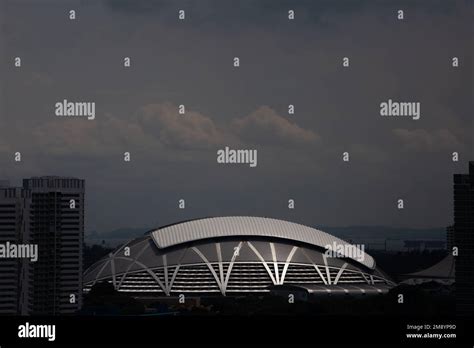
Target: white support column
<point x="232" y="261"/>
<point x="287" y="263"/>
<point x="327" y="269"/>
<point x="275" y="263"/>
<point x="340" y="273"/>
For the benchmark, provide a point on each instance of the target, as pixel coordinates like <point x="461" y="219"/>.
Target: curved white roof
<point x="248" y="226"/>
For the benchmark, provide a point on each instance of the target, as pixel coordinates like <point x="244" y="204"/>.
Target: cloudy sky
<point x="283" y="62"/>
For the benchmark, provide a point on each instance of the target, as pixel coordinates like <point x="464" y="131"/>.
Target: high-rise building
<point x="14" y="206"/>
<point x="464" y="240"/>
<point x="57" y="227"/>
<point x="47" y="212"/>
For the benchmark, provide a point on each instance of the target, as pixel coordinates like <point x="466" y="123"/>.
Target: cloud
<point x="424" y="140"/>
<point x="160" y="129"/>
<point x="154" y="128"/>
<point x="98" y="138"/>
<point x="189" y="131"/>
<point x="265" y="126"/>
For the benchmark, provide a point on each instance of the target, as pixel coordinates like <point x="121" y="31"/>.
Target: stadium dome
<point x="236" y="255"/>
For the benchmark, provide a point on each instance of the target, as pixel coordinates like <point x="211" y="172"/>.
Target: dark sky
<point x="282" y="62"/>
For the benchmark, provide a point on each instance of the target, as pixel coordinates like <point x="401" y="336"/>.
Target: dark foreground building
<point x="47" y="212"/>
<point x="464" y="240"/>
<point x="14" y="272"/>
<point x="236" y="255"/>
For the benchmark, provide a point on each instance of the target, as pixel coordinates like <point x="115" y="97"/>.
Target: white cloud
<point x="159" y="128"/>
<point x="265" y="126"/>
<point x="190" y="131"/>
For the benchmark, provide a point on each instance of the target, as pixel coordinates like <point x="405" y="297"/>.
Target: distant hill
<point x="115" y="237"/>
<point x="384" y="232"/>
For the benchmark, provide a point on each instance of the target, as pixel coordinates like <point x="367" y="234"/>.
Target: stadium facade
<point x="233" y="256"/>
